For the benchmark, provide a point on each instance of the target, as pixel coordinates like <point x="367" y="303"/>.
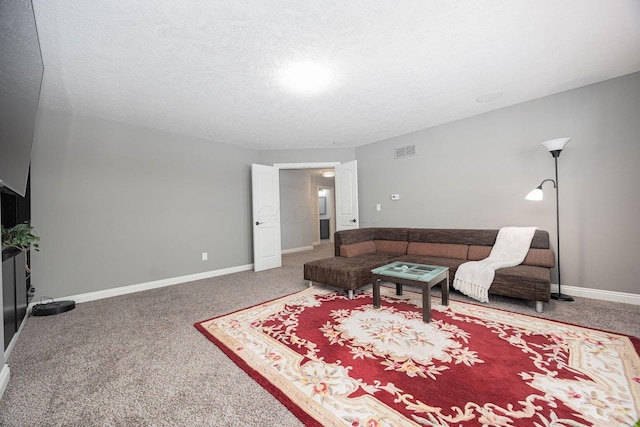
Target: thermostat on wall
<point x="395" y="197"/>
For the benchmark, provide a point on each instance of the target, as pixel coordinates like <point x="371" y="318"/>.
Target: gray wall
<point x="474" y="173"/>
<point x="118" y="205"/>
<point x="297" y="215"/>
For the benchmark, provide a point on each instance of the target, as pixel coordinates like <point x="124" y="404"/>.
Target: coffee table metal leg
<point x="398" y="289"/>
<point x="376" y="293"/>
<point x="445" y="291"/>
<point x="426" y="303"/>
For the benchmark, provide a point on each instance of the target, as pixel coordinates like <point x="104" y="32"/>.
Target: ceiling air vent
<point x="408" y="151"/>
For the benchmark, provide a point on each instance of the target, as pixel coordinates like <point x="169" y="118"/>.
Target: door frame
<point x="316" y="165"/>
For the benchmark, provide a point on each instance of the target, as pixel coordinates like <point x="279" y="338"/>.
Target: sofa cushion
<point x="523" y="281"/>
<point x="460" y="237"/>
<point x="470" y="237"/>
<point x="442" y="250"/>
<point x="540" y="258"/>
<point x="391" y="246"/>
<point x="355" y="235"/>
<point x="355" y="249"/>
<point x="535" y="257"/>
<point x="347" y="273"/>
<point x="476" y="253"/>
<point x="391" y="233"/>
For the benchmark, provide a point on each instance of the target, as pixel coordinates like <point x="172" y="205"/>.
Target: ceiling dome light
<point x="306" y="77"/>
<point x="328" y="174"/>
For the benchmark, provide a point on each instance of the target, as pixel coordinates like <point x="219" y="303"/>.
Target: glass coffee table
<point x="409" y="273"/>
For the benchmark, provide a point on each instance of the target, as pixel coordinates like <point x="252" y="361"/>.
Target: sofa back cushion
<point x="476" y="253"/>
<point x="357" y="235"/>
<point x="441" y="250"/>
<point x="391" y="246"/>
<point x="455" y="236"/>
<point x="355" y="249"/>
<point x="470" y="237"/>
<point x="535" y="257"/>
<point x="391" y="233"/>
<point x="348" y="237"/>
<point x="540" y="258"/>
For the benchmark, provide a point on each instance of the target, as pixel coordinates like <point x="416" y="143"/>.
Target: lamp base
<point x="560" y="297"/>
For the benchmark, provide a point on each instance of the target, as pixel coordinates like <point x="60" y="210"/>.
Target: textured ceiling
<point x="210" y="68"/>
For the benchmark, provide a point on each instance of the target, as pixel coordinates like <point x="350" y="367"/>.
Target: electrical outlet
<point x="378" y="207"/>
<point x="204" y="256"/>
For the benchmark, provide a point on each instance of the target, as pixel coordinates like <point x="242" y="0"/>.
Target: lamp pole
<point x="555" y="147"/>
<point x="558" y="296"/>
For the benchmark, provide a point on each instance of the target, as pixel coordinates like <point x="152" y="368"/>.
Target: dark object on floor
<point x="55" y="307"/>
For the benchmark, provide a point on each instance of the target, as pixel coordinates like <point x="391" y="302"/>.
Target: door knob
<point x="258" y="222"/>
<point x="352" y="220"/>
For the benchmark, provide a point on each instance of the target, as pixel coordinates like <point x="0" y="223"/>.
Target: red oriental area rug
<point x="339" y="362"/>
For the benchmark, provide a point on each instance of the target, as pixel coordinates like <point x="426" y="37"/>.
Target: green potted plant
<point x="20" y="237"/>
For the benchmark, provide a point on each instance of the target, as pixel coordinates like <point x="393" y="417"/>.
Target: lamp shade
<point x="535" y="195"/>
<point x="556" y="144"/>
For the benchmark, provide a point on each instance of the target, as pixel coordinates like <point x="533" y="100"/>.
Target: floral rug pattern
<point x="334" y="361"/>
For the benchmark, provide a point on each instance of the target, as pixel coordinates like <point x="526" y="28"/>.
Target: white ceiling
<point x="209" y="68"/>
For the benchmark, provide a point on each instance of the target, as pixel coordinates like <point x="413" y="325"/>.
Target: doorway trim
<point x="316" y="165"/>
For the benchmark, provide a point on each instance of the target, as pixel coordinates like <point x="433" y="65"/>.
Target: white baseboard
<point x="14" y="340"/>
<point x="600" y="294"/>
<point x="301" y="249"/>
<point x="123" y="290"/>
<point x="4" y="379"/>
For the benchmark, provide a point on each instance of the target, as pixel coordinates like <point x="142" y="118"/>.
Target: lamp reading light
<point x="537" y="194"/>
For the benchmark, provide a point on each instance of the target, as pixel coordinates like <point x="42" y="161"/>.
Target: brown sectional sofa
<point x="359" y="251"/>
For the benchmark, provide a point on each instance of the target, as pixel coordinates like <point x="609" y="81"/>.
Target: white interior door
<point x="347" y="196"/>
<point x="265" y="189"/>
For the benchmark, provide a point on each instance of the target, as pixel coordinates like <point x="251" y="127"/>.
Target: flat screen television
<point x="21" y="71"/>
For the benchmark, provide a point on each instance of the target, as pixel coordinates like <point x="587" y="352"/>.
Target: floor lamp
<point x="555" y="146"/>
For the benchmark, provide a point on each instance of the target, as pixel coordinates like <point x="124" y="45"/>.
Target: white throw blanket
<point x="474" y="278"/>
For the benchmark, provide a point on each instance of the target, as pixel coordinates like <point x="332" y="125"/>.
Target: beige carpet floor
<point x="137" y="360"/>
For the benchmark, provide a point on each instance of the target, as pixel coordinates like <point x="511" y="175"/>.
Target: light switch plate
<point x="395" y="197"/>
